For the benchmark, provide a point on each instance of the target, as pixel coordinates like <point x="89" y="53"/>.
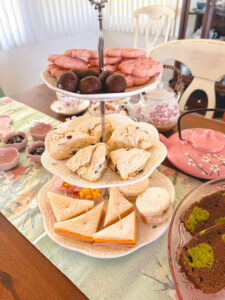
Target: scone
<point x="131" y="191"/>
<point x="89" y="162"/>
<point x="130" y="136"/>
<point x="128" y="162"/>
<point x="154" y="205"/>
<point x="92" y="127"/>
<point x="65" y="141"/>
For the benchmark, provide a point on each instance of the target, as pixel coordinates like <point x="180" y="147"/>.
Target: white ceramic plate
<point x="51" y="83"/>
<point x="109" y="178"/>
<point x="57" y="107"/>
<point x="145" y="233"/>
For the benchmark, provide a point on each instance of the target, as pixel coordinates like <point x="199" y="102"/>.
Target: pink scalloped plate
<point x="178" y="236"/>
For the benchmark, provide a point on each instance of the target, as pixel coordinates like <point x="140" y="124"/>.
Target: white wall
<point x="20" y="67"/>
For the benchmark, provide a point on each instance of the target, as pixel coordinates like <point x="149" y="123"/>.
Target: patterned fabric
<point x="142" y="275"/>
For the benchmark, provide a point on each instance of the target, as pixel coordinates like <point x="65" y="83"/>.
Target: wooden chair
<point x="206" y="60"/>
<point x="155" y="14"/>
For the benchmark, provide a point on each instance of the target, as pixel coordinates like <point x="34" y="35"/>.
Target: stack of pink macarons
<point x="131" y="63"/>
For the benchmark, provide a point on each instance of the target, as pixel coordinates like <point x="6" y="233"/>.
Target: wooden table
<point x="25" y="273"/>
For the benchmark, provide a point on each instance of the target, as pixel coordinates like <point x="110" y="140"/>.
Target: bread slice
<point x="64" y="142"/>
<point x="132" y="136"/>
<point x="82" y="227"/>
<point x="92" y="126"/>
<point x="89" y="162"/>
<point x="65" y="208"/>
<point x="118" y="207"/>
<point x="128" y="162"/>
<point x="122" y="232"/>
<point x="205" y="212"/>
<point x="153" y="205"/>
<point x="203" y="259"/>
<point x="131" y="191"/>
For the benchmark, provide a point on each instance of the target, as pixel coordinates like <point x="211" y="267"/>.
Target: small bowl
<point x="9" y="158"/>
<point x="19" y="145"/>
<point x="40" y="130"/>
<point x="34" y="157"/>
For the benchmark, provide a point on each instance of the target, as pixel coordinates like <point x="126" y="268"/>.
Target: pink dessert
<point x="5" y="128"/>
<point x="17" y="140"/>
<point x="35" y="151"/>
<point x="40" y="130"/>
<point x="9" y="158"/>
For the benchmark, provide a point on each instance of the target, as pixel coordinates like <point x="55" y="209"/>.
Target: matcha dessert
<point x="205" y="212"/>
<point x="202" y="259"/>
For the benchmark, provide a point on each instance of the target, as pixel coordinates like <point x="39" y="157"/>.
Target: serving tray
<point x="50" y="81"/>
<point x="145" y="233"/>
<point x="109" y="178"/>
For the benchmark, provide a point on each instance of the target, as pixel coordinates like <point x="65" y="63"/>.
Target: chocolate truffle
<point x="116" y="83"/>
<point x="78" y="72"/>
<point x="90" y="85"/>
<point x="67" y="81"/>
<point x="89" y="72"/>
<point x="103" y="76"/>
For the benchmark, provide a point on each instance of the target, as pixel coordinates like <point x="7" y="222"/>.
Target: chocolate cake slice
<point x="202" y="259"/>
<point x="206" y="212"/>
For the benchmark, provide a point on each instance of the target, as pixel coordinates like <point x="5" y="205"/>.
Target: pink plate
<point x="178" y="236"/>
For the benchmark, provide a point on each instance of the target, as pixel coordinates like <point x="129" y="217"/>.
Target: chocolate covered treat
<point x="202" y="259"/>
<point x="205" y="212"/>
<point x="77" y="72"/>
<point x="103" y="76"/>
<point x="67" y="81"/>
<point x="90" y="85"/>
<point x="116" y="83"/>
<point x="89" y="72"/>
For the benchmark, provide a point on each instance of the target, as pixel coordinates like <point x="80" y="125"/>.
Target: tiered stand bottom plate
<point x="145" y="233"/>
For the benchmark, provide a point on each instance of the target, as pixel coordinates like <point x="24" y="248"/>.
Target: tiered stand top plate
<point x="51" y="83"/>
<point x="110" y="178"/>
<point x="145" y="233"/>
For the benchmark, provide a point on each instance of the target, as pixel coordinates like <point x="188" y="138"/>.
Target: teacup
<point x="69" y="103"/>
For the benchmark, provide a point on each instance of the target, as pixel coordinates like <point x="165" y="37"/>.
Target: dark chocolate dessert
<point x="103" y="76"/>
<point x="90" y="85"/>
<point x="203" y="259"/>
<point x="89" y="72"/>
<point x="38" y="151"/>
<point x="67" y="81"/>
<point x="116" y="83"/>
<point x="205" y="212"/>
<point x="15" y="139"/>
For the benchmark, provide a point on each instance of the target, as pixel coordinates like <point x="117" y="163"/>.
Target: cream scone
<point x="128" y="162"/>
<point x="89" y="162"/>
<point x="133" y="136"/>
<point x="92" y="127"/>
<point x="65" y="141"/>
<point x="131" y="191"/>
<point x="154" y="205"/>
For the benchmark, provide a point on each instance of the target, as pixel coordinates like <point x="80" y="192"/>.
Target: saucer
<point x="57" y="107"/>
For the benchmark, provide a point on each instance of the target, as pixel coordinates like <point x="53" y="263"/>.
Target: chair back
<point x="205" y="59"/>
<point x="156" y="21"/>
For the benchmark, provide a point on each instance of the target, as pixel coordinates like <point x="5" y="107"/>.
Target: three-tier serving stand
<point x="58" y="168"/>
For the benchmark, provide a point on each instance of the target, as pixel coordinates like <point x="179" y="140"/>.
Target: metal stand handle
<point x="99" y="5"/>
